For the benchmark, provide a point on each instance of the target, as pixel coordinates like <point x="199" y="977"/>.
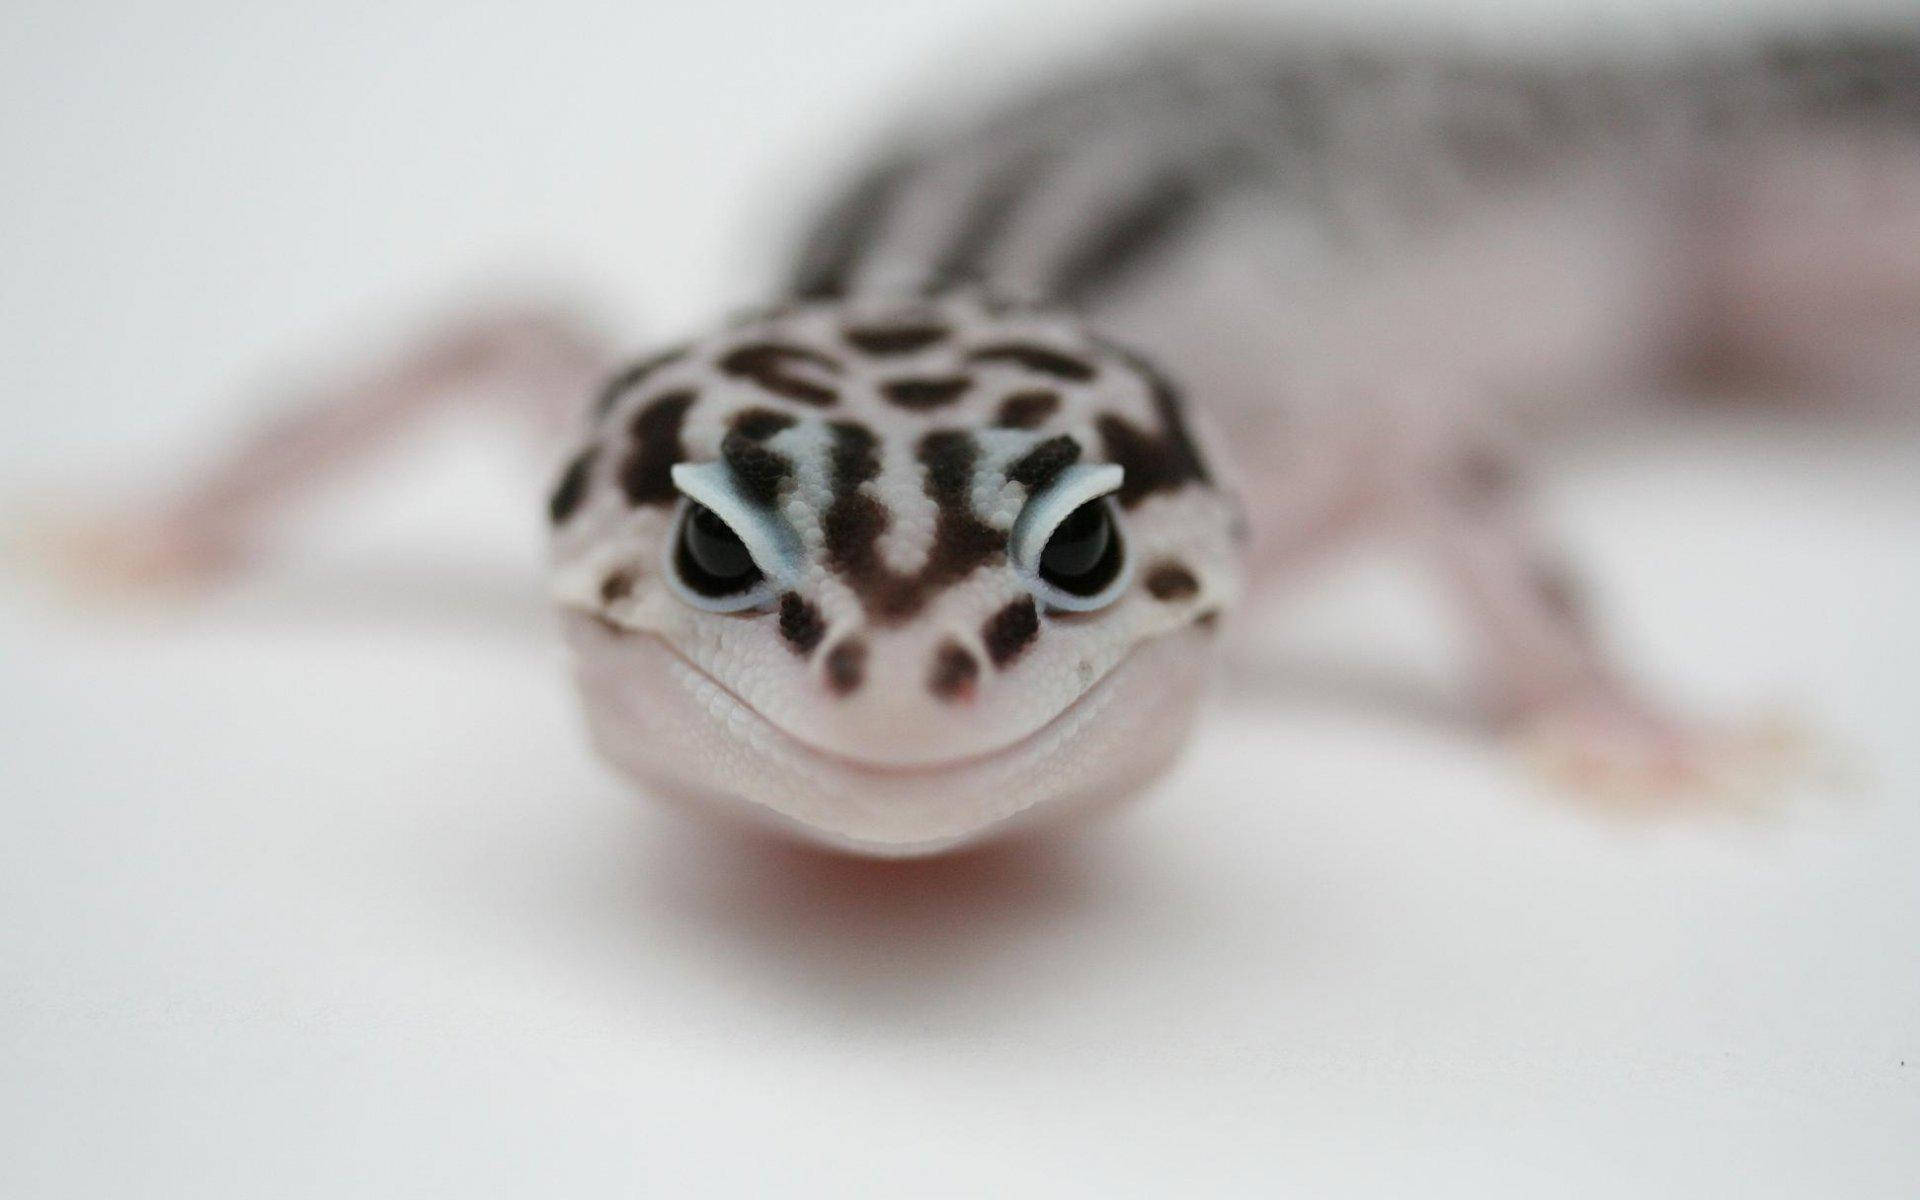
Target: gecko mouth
<point x="676" y="728"/>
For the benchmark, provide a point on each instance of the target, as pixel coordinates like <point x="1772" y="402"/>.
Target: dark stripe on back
<point x="1165" y="209"/>
<point x="987" y="216"/>
<point x="1859" y="76"/>
<point x="844" y="236"/>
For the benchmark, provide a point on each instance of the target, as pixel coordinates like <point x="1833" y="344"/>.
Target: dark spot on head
<point x="846" y="666"/>
<point x="1010" y="631"/>
<point x="1041" y="465"/>
<point x="632" y="377"/>
<point x="1153" y="462"/>
<point x="776" y="368"/>
<point x="572" y="488"/>
<point x="801" y="623"/>
<point x="647" y="474"/>
<point x="1042" y="359"/>
<point x="895" y="339"/>
<point x="922" y="394"/>
<point x="618" y="585"/>
<point x="758" y="470"/>
<point x="1208" y="621"/>
<point x="1171" y="581"/>
<point x="1027" y="410"/>
<point x="744" y="360"/>
<point x="955" y="672"/>
<point x="761" y="423"/>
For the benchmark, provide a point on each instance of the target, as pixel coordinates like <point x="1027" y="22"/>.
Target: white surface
<point x="315" y="891"/>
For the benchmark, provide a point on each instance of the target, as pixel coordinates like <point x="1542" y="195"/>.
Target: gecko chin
<point x="679" y="731"/>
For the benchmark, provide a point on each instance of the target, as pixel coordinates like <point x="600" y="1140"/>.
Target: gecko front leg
<point x="537" y="364"/>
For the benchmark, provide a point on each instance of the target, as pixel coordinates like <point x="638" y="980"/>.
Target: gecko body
<point x="942" y="541"/>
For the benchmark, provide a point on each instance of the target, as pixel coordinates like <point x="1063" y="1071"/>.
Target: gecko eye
<point x="711" y="558"/>
<point x="729" y="553"/>
<point x="1083" y="554"/>
<point x="1067" y="545"/>
<point x="726" y="554"/>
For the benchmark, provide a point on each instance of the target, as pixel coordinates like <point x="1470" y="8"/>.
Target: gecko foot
<point x="1621" y="759"/>
<point x="104" y="555"/>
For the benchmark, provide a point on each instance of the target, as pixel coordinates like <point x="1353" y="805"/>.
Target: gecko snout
<point x="894" y="696"/>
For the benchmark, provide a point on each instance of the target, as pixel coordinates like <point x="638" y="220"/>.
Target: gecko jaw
<point x="671" y="725"/>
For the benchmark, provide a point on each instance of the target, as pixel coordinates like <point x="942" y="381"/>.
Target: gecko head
<point x="895" y="571"/>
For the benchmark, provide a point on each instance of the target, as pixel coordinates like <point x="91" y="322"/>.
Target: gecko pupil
<point x="712" y="559"/>
<point x="1083" y="555"/>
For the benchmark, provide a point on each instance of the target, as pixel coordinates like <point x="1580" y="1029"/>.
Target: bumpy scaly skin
<point x="906" y="689"/>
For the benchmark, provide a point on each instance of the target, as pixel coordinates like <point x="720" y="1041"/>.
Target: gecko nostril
<point x="618" y="585"/>
<point x="956" y="673"/>
<point x="1170" y="581"/>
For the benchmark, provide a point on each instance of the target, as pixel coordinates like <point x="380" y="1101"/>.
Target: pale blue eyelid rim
<point x="775" y="547"/>
<point x="1043" y="513"/>
<point x="1070" y="489"/>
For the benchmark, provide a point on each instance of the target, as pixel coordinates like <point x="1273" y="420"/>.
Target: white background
<point x="312" y="888"/>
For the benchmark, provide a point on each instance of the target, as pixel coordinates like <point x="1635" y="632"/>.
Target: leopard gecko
<point x="942" y="540"/>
